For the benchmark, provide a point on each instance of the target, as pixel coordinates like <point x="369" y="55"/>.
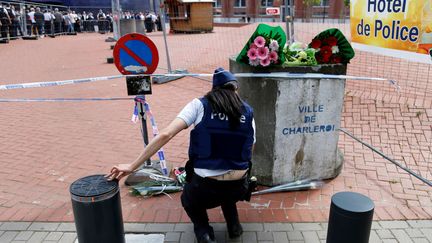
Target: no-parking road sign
<point x="135" y="54"/>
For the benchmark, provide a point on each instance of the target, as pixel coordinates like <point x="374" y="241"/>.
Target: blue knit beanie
<point x="222" y="76"/>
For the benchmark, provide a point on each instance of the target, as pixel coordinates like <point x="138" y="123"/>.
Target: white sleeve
<point x="192" y="113"/>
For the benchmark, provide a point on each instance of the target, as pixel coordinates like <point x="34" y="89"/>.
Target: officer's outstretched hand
<point x="119" y="171"/>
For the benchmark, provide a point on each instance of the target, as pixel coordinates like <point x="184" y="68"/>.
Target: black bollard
<point x="97" y="210"/>
<point x="350" y="218"/>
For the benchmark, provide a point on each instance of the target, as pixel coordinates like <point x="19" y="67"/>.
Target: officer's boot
<point x="231" y="217"/>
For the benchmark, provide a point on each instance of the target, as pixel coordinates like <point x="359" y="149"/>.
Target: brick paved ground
<point x="44" y="147"/>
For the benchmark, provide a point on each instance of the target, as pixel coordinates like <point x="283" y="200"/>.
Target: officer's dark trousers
<point x="203" y="193"/>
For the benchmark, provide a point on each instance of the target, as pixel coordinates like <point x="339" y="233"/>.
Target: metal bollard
<point x="97" y="210"/>
<point x="350" y="218"/>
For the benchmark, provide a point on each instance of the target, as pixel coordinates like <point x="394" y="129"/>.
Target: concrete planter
<point x="297" y="123"/>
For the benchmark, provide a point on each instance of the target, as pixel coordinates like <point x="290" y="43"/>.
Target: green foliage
<point x="346" y="3"/>
<point x="309" y="3"/>
<point x="299" y="57"/>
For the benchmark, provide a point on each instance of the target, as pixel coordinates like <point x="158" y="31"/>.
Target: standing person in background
<point x="40" y="21"/>
<point x="84" y="23"/>
<point x="19" y="21"/>
<point x="101" y="17"/>
<point x="48" y="18"/>
<point x="68" y="22"/>
<point x="5" y="22"/>
<point x="76" y="22"/>
<point x="91" y="22"/>
<point x="220" y="154"/>
<point x="13" y="30"/>
<point x="32" y="29"/>
<point x="58" y="21"/>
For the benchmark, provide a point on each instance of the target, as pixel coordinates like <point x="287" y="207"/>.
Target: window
<point x="180" y="11"/>
<point x="217" y="4"/>
<point x="267" y="3"/>
<point x="240" y="3"/>
<point x="324" y="3"/>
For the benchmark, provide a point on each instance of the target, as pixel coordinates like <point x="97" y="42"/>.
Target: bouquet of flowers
<point x="332" y="47"/>
<point x="264" y="48"/>
<point x="299" y="55"/>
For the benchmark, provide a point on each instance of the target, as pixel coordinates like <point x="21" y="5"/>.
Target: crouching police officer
<point x="220" y="152"/>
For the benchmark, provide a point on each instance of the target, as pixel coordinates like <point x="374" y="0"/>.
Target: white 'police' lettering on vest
<point x="223" y="117"/>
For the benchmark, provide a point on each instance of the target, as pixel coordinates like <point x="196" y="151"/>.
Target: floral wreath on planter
<point x="264" y="48"/>
<point x="332" y="47"/>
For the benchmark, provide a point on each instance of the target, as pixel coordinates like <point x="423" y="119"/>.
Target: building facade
<point x="255" y="10"/>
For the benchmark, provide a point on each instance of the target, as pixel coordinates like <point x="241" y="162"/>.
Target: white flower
<point x="274" y="45"/>
<point x="335" y="49"/>
<point x="254" y="63"/>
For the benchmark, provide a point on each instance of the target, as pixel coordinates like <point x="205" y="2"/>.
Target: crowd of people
<point x="16" y="21"/>
<point x="37" y="22"/>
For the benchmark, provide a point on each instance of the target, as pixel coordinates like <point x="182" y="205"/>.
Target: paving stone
<point x="414" y="233"/>
<point x="37" y="226"/>
<point x="253" y="227"/>
<point x="14" y="226"/>
<point x="249" y="237"/>
<point x="264" y="236"/>
<point x="297" y="241"/>
<point x="220" y="236"/>
<point x="68" y="238"/>
<point x="8" y="236"/>
<point x="390" y="241"/>
<point x="38" y="237"/>
<point x="23" y="235"/>
<point x="278" y="227"/>
<point x="375" y="225"/>
<point x="306" y="226"/>
<point x="420" y="223"/>
<point x="19" y="241"/>
<point x="183" y="227"/>
<point x="385" y="234"/>
<point x="295" y="235"/>
<point x="427" y="233"/>
<point x="401" y="235"/>
<point x="54" y="236"/>
<point x="172" y="236"/>
<point x="187" y="237"/>
<point x="218" y="226"/>
<point x="421" y="240"/>
<point x="322" y="235"/>
<point x="280" y="237"/>
<point x="134" y="227"/>
<point x="67" y="227"/>
<point x="373" y="237"/>
<point x="310" y="237"/>
<point x="394" y="224"/>
<point x="159" y="227"/>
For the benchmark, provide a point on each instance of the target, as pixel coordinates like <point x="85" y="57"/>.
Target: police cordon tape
<point x="238" y="75"/>
<point x="64" y="99"/>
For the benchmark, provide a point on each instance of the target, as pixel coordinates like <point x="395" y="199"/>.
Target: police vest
<point x="215" y="145"/>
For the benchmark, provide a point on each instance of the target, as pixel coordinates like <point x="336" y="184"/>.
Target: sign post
<point x="137" y="54"/>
